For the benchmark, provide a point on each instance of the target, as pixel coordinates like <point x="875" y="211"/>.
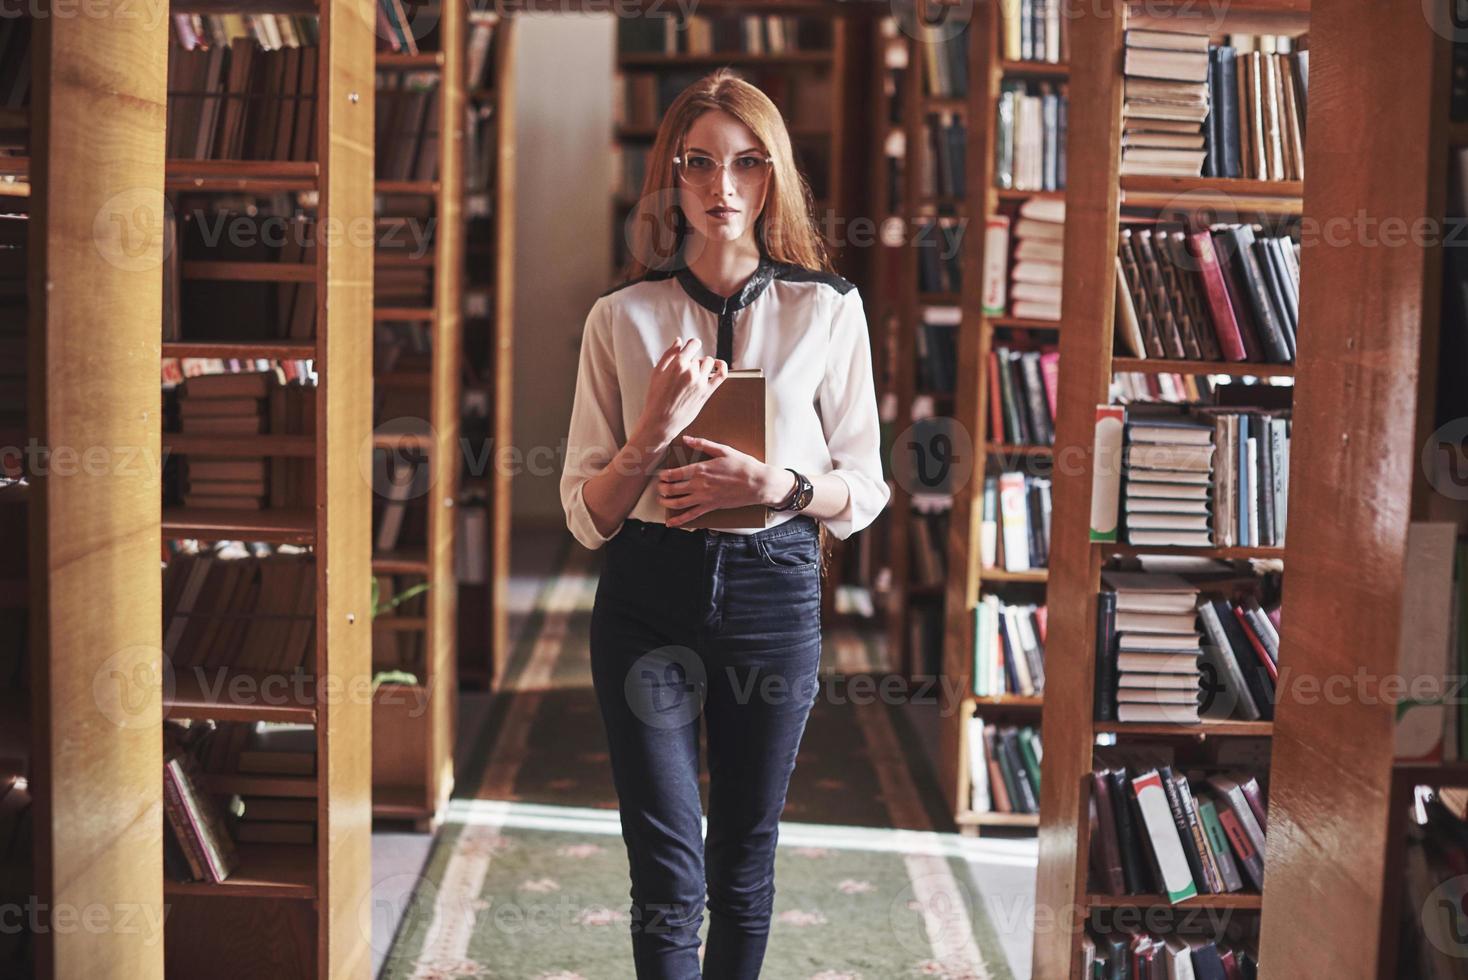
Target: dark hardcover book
<point x="1268" y="532"/>
<point x="1275" y="289"/>
<point x="1184" y="831"/>
<point x="1062" y="126"/>
<point x="1207" y="964"/>
<point x="1106" y="849"/>
<point x="1256" y="678"/>
<point x="1211" y="873"/>
<point x="1228" y="113"/>
<point x="1146" y="317"/>
<point x="1009" y="747"/>
<point x="1194" y="298"/>
<point x="1228" y="259"/>
<point x="1288" y="289"/>
<point x="1249" y="786"/>
<point x="1135" y="854"/>
<point x="1105" y="701"/>
<point x="1212" y="132"/>
<point x="1042" y="430"/>
<point x="1157" y="296"/>
<point x="1251" y="278"/>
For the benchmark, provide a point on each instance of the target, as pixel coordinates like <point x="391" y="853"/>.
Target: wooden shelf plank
<point x="1014" y="449"/>
<point x="1224" y="196"/>
<point x="253" y="784"/>
<point x="1004" y="575"/>
<point x="192" y="444"/>
<point x="413" y="314"/>
<point x="1011" y="194"/>
<point x="274" y="350"/>
<point x="421" y="441"/>
<point x="400" y="803"/>
<point x="1034" y="69"/>
<point x="250" y="271"/>
<point x="425" y="187"/>
<point x="401" y="60"/>
<point x="397" y="260"/>
<point x="1234" y="900"/>
<point x="401" y="562"/>
<point x="261" y="176"/>
<point x="974" y="818"/>
<point x="1254" y="729"/>
<point x="279" y="525"/>
<point x="1234" y="369"/>
<point x="636" y="61"/>
<point x="1021" y="323"/>
<point x="265" y="871"/>
<point x="1007" y="700"/>
<point x="1132" y="550"/>
<point x="256" y="696"/>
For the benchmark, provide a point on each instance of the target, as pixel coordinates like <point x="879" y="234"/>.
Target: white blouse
<point x="805" y="329"/>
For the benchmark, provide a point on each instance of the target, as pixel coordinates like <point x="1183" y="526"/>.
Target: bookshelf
<point x="1098" y="199"/>
<point x="1365" y="411"/>
<point x="418" y="337"/>
<point x="81" y="533"/>
<point x="795" y="52"/>
<point x="980" y="333"/>
<point x="488" y="345"/>
<point x="305" y="896"/>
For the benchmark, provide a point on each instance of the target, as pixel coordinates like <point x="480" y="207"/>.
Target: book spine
<point x="1106" y="474"/>
<point x="1249" y="857"/>
<point x="1107" y="846"/>
<point x="996" y="259"/>
<point x="1184" y="831"/>
<point x="1199" y="836"/>
<point x="1105" y="695"/>
<point x="1225" y="326"/>
<point x="1218" y="843"/>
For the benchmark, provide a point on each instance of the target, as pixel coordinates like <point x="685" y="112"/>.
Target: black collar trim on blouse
<point x="763" y="275"/>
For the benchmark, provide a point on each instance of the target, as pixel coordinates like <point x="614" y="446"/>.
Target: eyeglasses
<point x="700" y="170"/>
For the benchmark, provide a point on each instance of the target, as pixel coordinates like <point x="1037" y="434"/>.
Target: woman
<point x="721" y="622"/>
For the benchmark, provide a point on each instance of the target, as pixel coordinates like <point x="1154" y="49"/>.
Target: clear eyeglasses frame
<point x="701" y="170"/>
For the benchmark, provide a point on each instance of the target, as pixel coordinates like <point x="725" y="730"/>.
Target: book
<point x="1177" y="880"/>
<point x="734" y="416"/>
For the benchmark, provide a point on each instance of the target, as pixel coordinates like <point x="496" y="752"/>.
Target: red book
<point x="1254" y="642"/>
<point x="1050" y="372"/>
<point x="1220" y="308"/>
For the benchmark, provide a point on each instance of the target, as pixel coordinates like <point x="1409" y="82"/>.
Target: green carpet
<point x="528" y="876"/>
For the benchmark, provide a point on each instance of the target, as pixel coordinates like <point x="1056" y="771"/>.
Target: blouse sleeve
<point x="596" y="426"/>
<point x="848" y="405"/>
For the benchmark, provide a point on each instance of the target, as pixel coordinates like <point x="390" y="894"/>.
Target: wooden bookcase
<point x="1369" y="372"/>
<point x="488" y="346"/>
<point x="967" y="578"/>
<point x="93" y="759"/>
<point x="1095" y="194"/>
<point x="306" y="899"/>
<point x="413" y="723"/>
<point x="819" y="148"/>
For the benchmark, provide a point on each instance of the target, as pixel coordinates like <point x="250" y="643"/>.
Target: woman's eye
<point x="700" y="163"/>
<point x="749" y="163"/>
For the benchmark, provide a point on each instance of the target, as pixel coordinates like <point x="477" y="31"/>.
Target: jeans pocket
<point x="790" y="553"/>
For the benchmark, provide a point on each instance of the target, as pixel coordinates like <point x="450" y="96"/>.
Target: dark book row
<point x="1004" y="767"/>
<point x="1023" y="386"/>
<point x="1134" y="954"/>
<point x="407" y="125"/>
<point x="1009" y="648"/>
<point x="947" y="137"/>
<point x="1015" y="529"/>
<point x="1229" y="293"/>
<point x="242" y="101"/>
<point x="939" y="248"/>
<point x="760" y="34"/>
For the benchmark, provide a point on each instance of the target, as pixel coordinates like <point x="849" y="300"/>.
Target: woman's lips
<point x="721" y="213"/>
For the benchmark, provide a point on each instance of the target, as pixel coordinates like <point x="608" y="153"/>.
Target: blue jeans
<point x="727" y="627"/>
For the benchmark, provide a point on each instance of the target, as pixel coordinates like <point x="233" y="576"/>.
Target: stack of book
<point x="1165" y="103"/>
<point x="1029" y="136"/>
<point x="407" y="125"/>
<point x="1169" y="474"/>
<point x="1256" y="129"/>
<point x="1178" y="835"/>
<point x="225" y="405"/>
<point x="1023" y="386"/>
<point x="947" y="138"/>
<point x="1004" y="767"/>
<point x="1147" y="648"/>
<point x="936" y="344"/>
<point x="241" y="99"/>
<point x="1227" y="293"/>
<point x="1015" y="531"/>
<point x="1139" y="953"/>
<point x="1009" y="648"/>
<point x="1039" y="260"/>
<point x="1032" y="30"/>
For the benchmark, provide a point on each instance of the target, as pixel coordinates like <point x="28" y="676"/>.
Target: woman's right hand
<point x="681" y="382"/>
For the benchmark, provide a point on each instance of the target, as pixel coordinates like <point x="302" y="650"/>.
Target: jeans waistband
<point x="800" y="524"/>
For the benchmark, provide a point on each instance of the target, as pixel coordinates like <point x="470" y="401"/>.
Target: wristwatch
<point x="800" y="496"/>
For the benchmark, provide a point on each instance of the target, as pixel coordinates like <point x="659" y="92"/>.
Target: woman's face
<point x="726" y="206"/>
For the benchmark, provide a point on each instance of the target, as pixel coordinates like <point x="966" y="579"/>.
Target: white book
<point x="1014" y="522"/>
<point x="996" y="256"/>
<point x="1167" y="846"/>
<point x="978" y="767"/>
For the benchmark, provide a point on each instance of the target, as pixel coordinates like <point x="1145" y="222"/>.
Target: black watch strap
<point x="800" y="495"/>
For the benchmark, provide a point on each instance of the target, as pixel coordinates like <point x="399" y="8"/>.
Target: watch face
<point x="807" y="491"/>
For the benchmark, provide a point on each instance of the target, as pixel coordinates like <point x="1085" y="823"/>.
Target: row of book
<point x="176" y="370"/>
<point x="1023" y="387"/>
<point x="228" y="612"/>
<point x="1014" y="533"/>
<point x="1212" y="478"/>
<point x="1161" y="387"/>
<point x="242" y="101"/>
<point x="759" y="34"/>
<point x="1004" y="767"/>
<point x="939" y="249"/>
<point x="407" y="127"/>
<point x="1230" y="292"/>
<point x="269" y="31"/>
<point x="1230" y="110"/>
<point x="1033" y="30"/>
<point x="640" y="99"/>
<point x="927" y="537"/>
<point x="1024" y="261"/>
<point x="944" y="56"/>
<point x="1176" y="834"/>
<point x="1029" y="136"/>
<point x="1122" y="953"/>
<point x="935" y="346"/>
<point x="947" y="141"/>
<point x="1172" y="651"/>
<point x="1009" y="648"/>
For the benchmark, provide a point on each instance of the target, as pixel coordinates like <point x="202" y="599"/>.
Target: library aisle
<point x="527" y="876"/>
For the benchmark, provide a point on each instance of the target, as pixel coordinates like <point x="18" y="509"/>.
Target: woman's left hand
<point x="728" y="479"/>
